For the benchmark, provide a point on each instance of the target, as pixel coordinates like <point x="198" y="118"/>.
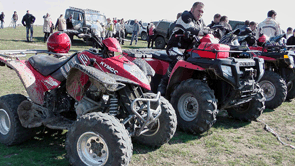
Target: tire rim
<point x="92" y="149"/>
<point x="269" y="89"/>
<point x="153" y="130"/>
<point x="4" y="122"/>
<point x="188" y="107"/>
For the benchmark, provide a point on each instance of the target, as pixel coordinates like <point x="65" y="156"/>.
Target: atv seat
<point x="161" y="55"/>
<point x="46" y="64"/>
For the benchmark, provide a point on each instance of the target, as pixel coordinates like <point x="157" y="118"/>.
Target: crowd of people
<point x="116" y="27"/>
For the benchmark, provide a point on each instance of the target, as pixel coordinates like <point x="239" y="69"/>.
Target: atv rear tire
<point x="274" y="88"/>
<point x="251" y="110"/>
<point x="11" y="130"/>
<point x="195" y="106"/>
<point x="98" y="139"/>
<point x="291" y="88"/>
<point x="164" y="128"/>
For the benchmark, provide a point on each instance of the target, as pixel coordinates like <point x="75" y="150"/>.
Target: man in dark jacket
<point x="69" y="22"/>
<point x="189" y="22"/>
<point x="215" y="21"/>
<point x="2" y="20"/>
<point x="28" y="21"/>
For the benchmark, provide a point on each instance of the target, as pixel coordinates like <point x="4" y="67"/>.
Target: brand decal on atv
<point x="50" y="83"/>
<point x="247" y="63"/>
<point x="109" y="67"/>
<point x="84" y="59"/>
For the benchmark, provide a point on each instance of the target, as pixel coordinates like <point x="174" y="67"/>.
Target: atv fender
<point x="182" y="71"/>
<point x="79" y="77"/>
<point x="30" y="80"/>
<point x="144" y="66"/>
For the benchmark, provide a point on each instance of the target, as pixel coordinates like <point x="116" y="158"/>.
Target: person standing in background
<point x="28" y="21"/>
<point x="47" y="26"/>
<point x="61" y="23"/>
<point x="14" y="19"/>
<point x="2" y="20"/>
<point x="269" y="27"/>
<point x="135" y="32"/>
<point x="289" y="32"/>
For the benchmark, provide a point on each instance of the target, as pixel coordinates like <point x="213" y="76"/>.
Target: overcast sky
<point x="153" y="10"/>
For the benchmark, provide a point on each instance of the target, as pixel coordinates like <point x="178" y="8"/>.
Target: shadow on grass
<point x="43" y="149"/>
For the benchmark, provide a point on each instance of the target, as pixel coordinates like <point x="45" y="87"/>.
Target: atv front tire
<point x="251" y="110"/>
<point x="11" y="130"/>
<point x="274" y="89"/>
<point x="195" y="106"/>
<point x="164" y="128"/>
<point x="98" y="139"/>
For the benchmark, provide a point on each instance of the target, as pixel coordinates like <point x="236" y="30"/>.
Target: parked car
<point x="160" y="32"/>
<point x="82" y="21"/>
<point x="143" y="29"/>
<point x="236" y="24"/>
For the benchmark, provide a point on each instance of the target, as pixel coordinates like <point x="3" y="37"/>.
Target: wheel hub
<point x="4" y="122"/>
<point x="269" y="89"/>
<point x="92" y="149"/>
<point x="188" y="107"/>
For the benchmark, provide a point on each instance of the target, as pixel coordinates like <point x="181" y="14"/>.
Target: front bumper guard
<point x="150" y="117"/>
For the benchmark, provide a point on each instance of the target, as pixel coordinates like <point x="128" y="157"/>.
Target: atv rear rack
<point x="23" y="53"/>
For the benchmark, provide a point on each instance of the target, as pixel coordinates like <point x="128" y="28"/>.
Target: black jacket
<point x="2" y="17"/>
<point x="185" y="23"/>
<point x="69" y="23"/>
<point x="212" y="24"/>
<point x="291" y="40"/>
<point x="28" y="20"/>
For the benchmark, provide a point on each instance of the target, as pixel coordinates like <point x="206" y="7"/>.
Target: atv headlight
<point x="226" y="70"/>
<point x="136" y="72"/>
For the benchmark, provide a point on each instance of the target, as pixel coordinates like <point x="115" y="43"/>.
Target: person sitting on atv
<point x="190" y="22"/>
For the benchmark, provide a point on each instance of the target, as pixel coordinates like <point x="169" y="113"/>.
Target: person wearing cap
<point x="109" y="28"/>
<point x="269" y="27"/>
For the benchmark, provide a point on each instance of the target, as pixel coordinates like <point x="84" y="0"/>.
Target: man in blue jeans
<point x="28" y="21"/>
<point x="135" y="32"/>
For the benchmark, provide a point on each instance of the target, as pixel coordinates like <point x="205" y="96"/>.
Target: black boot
<point x="163" y="84"/>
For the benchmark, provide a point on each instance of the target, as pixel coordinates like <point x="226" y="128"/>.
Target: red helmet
<point x="262" y="39"/>
<point x="59" y="42"/>
<point x="112" y="44"/>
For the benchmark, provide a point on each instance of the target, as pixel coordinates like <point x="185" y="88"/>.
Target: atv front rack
<point x="152" y="114"/>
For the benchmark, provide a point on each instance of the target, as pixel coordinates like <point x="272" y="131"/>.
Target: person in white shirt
<point x="269" y="27"/>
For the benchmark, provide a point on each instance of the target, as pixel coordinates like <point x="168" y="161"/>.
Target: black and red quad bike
<point x="207" y="80"/>
<point x="278" y="81"/>
<point x="97" y="96"/>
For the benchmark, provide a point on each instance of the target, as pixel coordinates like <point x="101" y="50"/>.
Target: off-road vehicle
<point x="82" y="21"/>
<point x="207" y="80"/>
<point x="98" y="96"/>
<point x="161" y="37"/>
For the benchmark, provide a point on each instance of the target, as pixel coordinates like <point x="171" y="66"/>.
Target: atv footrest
<point x="59" y="123"/>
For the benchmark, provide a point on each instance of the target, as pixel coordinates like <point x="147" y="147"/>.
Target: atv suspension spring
<point x="114" y="110"/>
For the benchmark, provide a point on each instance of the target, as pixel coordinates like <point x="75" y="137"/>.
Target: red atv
<point x="95" y="95"/>
<point x="207" y="81"/>
<point x="278" y="81"/>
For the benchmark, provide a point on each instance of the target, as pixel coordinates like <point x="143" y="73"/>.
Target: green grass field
<point x="228" y="142"/>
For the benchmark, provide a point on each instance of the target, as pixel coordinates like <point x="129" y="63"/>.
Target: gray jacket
<point x="136" y="27"/>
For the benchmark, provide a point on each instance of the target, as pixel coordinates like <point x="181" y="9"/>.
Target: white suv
<point x="143" y="29"/>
